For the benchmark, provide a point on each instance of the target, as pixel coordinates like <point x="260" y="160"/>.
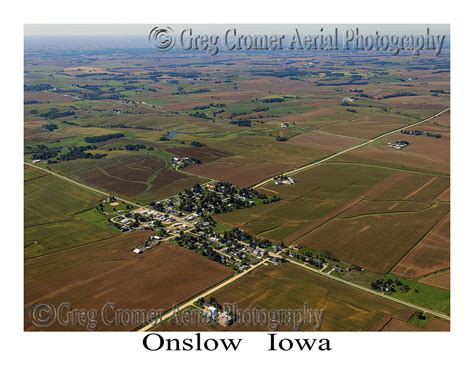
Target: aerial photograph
<point x="212" y="178"/>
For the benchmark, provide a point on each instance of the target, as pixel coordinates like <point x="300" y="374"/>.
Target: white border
<point x="121" y="354"/>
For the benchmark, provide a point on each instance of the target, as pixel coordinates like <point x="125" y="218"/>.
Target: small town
<point x="186" y="219"/>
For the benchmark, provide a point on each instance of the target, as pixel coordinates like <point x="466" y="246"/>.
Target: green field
<point x="52" y="215"/>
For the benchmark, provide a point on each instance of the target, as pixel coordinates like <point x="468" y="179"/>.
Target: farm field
<point x="238" y="170"/>
<point x="93" y="275"/>
<point x="367" y="126"/>
<point x="289" y="287"/>
<point x="395" y="325"/>
<point x="374" y="241"/>
<point x="320" y="193"/>
<point x="431" y="254"/>
<point x="51" y="221"/>
<point x="441" y="280"/>
<point x="423" y="154"/>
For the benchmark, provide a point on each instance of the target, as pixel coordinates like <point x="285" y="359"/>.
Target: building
<point x="224" y="319"/>
<point x="137" y="251"/>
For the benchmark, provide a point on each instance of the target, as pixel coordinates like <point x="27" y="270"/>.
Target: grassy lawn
<point x="97" y="218"/>
<point x="419" y="294"/>
<point x="424" y="295"/>
<point x="221" y="227"/>
<point x="420" y="323"/>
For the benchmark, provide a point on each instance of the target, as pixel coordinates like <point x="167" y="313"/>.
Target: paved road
<point x="318" y="162"/>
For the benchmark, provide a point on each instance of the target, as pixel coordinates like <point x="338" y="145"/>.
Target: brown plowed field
<point x="442" y="280"/>
<point x="204" y="154"/>
<point x="241" y="172"/>
<point x="98" y="178"/>
<point x="375" y="242"/>
<point x="429" y="255"/>
<point x="368" y="126"/>
<point x="170" y="182"/>
<point x="151" y="164"/>
<point x="409" y="186"/>
<point x="423" y="154"/>
<point x="445" y="195"/>
<point x="433" y="325"/>
<point x="325" y="141"/>
<point x="92" y="275"/>
<point x="367" y="207"/>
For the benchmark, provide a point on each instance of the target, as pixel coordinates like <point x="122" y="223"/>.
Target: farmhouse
<point x="212" y="314"/>
<point x="283" y="179"/>
<point x="181" y="163"/>
<point x="348" y="99"/>
<point x="398" y="145"/>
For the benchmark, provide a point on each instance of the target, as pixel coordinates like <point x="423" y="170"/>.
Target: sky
<point x="63" y="30"/>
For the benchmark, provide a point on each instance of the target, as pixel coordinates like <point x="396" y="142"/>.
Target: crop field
<point x="320" y="194"/>
<point x="268" y="149"/>
<point x="49" y="199"/>
<point x="204" y="154"/>
<point x="431" y="254"/>
<point x="240" y="171"/>
<point x="434" y="324"/>
<point x="376" y="242"/>
<point x="51" y="221"/>
<point x="407" y="186"/>
<point x="95" y="274"/>
<point x="325" y="141"/>
<point x="445" y="195"/>
<point x="368" y="207"/>
<point x="170" y="182"/>
<point x="424" y="154"/>
<point x="288" y="287"/>
<point x="368" y="126"/>
<point x="100" y="179"/>
<point x="441" y="280"/>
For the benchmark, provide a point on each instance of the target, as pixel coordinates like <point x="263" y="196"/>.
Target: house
<point x="210" y="312"/>
<point x="137" y="251"/>
<point x="348" y="99"/>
